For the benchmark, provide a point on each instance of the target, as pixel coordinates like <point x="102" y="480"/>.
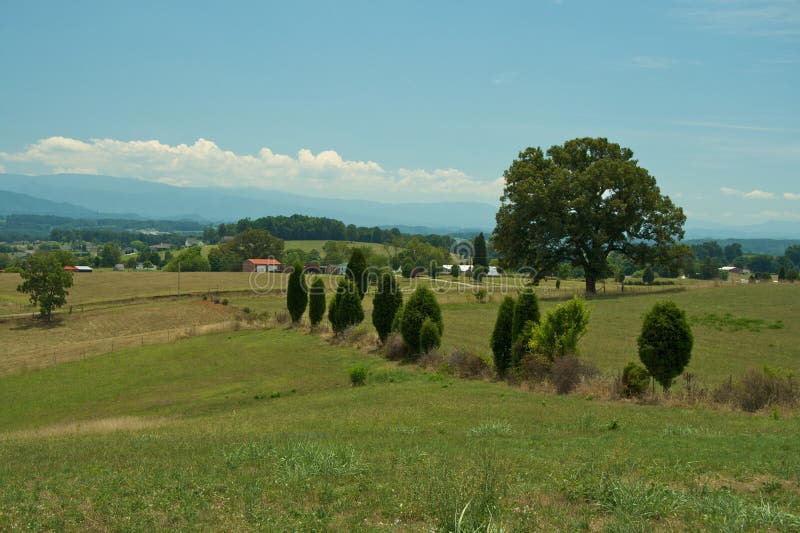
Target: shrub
<point x="467" y="365"/>
<point x="534" y="368"/>
<point x="455" y="270"/>
<point x="758" y="389"/>
<point x="281" y="317"/>
<point x="635" y="379"/>
<point x="421" y="305"/>
<point x="385" y="305"/>
<point x="648" y="276"/>
<point x="501" y="336"/>
<point x="525" y="310"/>
<point x="665" y="343"/>
<point x="345" y="308"/>
<point x="480" y="295"/>
<point x="224" y="301"/>
<point x="560" y="331"/>
<point x="565" y="373"/>
<point x="358" y="375"/>
<point x="356" y="271"/>
<point x="395" y="348"/>
<point x="429" y="337"/>
<point x="297" y="292"/>
<point x="397" y="320"/>
<point x="316" y="302"/>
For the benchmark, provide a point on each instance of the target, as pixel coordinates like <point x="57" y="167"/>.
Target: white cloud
<point x="206" y="164"/>
<point x="755" y="194"/>
<point x="759" y="18"/>
<point x="791" y="196"/>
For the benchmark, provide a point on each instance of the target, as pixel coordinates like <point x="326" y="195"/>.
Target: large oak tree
<point x="580" y="202"/>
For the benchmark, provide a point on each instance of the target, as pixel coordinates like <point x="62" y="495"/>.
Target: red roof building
<point x="261" y="265"/>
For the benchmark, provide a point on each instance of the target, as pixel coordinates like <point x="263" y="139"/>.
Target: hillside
<point x="17" y="203"/>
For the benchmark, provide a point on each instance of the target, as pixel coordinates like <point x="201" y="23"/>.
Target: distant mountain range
<point x="105" y="195"/>
<point x="92" y="196"/>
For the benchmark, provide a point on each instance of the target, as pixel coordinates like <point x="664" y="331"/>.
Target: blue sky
<point x="423" y="100"/>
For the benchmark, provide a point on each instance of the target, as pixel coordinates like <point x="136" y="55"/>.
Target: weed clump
<point x="758" y="389"/>
<point x="358" y="375"/>
<point x="635" y="379"/>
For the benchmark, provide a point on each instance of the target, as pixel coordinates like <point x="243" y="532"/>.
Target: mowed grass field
<point x="261" y="430"/>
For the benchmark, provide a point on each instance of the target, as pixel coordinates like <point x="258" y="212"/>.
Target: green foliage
<point x="579" y="203"/>
<point x="46" y="281"/>
<point x="345" y="308"/>
<point x="64" y="257"/>
<point x="665" y="343"/>
<point x="525" y="310"/>
<point x="635" y="379"/>
<point x="791" y="275"/>
<point x="429" y="336"/>
<point x="190" y="260"/>
<point x="222" y="259"/>
<point x="420" y="254"/>
<point x="558" y="334"/>
<point x="648" y="276"/>
<point x="421" y="305"/>
<point x="356" y="271"/>
<point x="479" y="244"/>
<point x="110" y="255"/>
<point x="388" y="300"/>
<point x="455" y="270"/>
<point x="316" y="302"/>
<point x="358" y="375"/>
<point x="728" y="322"/>
<point x="502" y="337"/>
<point x="254" y="244"/>
<point x="297" y="293"/>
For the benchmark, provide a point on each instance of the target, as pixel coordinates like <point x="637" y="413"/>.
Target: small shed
<point x="83" y="268"/>
<point x="261" y="265"/>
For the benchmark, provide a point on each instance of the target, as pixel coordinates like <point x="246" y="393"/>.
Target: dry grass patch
<point x="86" y="427"/>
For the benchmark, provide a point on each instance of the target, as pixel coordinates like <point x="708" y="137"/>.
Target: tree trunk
<point x="591" y="284"/>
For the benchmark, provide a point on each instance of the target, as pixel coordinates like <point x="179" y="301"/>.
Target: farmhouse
<point x="261" y="265"/>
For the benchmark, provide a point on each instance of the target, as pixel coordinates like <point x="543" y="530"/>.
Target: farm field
<point x="257" y="430"/>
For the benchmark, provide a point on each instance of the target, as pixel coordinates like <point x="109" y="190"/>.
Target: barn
<point x="261" y="265"/>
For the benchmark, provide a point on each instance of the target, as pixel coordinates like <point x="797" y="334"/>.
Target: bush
<point x="467" y="365"/>
<point x="224" y="301"/>
<point x="565" y="373"/>
<point x="648" y="276"/>
<point x="525" y="310"/>
<point x="758" y="389"/>
<point x="395" y="348"/>
<point x="421" y="305"/>
<point x="480" y="295"/>
<point x="562" y="328"/>
<point x="297" y="293"/>
<point x="388" y="300"/>
<point x="345" y="308"/>
<point x="501" y="336"/>
<point x="534" y="368"/>
<point x="397" y="320"/>
<point x="635" y="379"/>
<point x="455" y="270"/>
<point x="665" y="343"/>
<point x="358" y="375"/>
<point x="316" y="302"/>
<point x="429" y="338"/>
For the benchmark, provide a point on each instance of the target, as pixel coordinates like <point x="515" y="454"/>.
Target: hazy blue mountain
<point x="12" y="203"/>
<point x="161" y="201"/>
<point x="774" y="229"/>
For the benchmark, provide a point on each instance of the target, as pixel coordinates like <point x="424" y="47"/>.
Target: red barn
<point x="261" y="265"/>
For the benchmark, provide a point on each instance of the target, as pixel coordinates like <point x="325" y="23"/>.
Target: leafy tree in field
<point x="5" y="260"/>
<point x="584" y="200"/>
<point x="762" y="263"/>
<point x="665" y="343"/>
<point x="455" y="270"/>
<point x="297" y="293"/>
<point x="791" y="275"/>
<point x="732" y="251"/>
<point x="345" y="308"/>
<point x="421" y="305"/>
<point x="110" y="255"/>
<point x="525" y="310"/>
<point x="190" y="260"/>
<point x="782" y="274"/>
<point x="254" y="244"/>
<point x="46" y="281"/>
<point x="709" y="269"/>
<point x="429" y="336"/>
<point x="388" y="299"/>
<point x="479" y="244"/>
<point x="356" y="271"/>
<point x="502" y="339"/>
<point x="222" y="259"/>
<point x="793" y="253"/>
<point x="558" y="334"/>
<point x="64" y="257"/>
<point x="316" y="302"/>
<point x="648" y="276"/>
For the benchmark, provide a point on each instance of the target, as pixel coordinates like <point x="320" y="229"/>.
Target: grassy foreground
<point x="260" y="430"/>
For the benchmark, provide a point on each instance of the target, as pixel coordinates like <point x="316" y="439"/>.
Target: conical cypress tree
<point x="387" y="301"/>
<point x="480" y="258"/>
<point x="356" y="270"/>
<point x="345" y="309"/>
<point x="525" y="310"/>
<point x="297" y="292"/>
<point x="316" y="302"/>
<point x="501" y="336"/>
<point x="421" y="305"/>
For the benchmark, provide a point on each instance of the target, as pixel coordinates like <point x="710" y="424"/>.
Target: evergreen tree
<point x="525" y="310"/>
<point x="387" y="301"/>
<point x="297" y="293"/>
<point x="501" y="339"/>
<point x="421" y="305"/>
<point x="665" y="343"/>
<point x="479" y="257"/>
<point x="356" y="271"/>
<point x="648" y="276"/>
<point x="429" y="337"/>
<point x="316" y="302"/>
<point x="455" y="270"/>
<point x="345" y="308"/>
